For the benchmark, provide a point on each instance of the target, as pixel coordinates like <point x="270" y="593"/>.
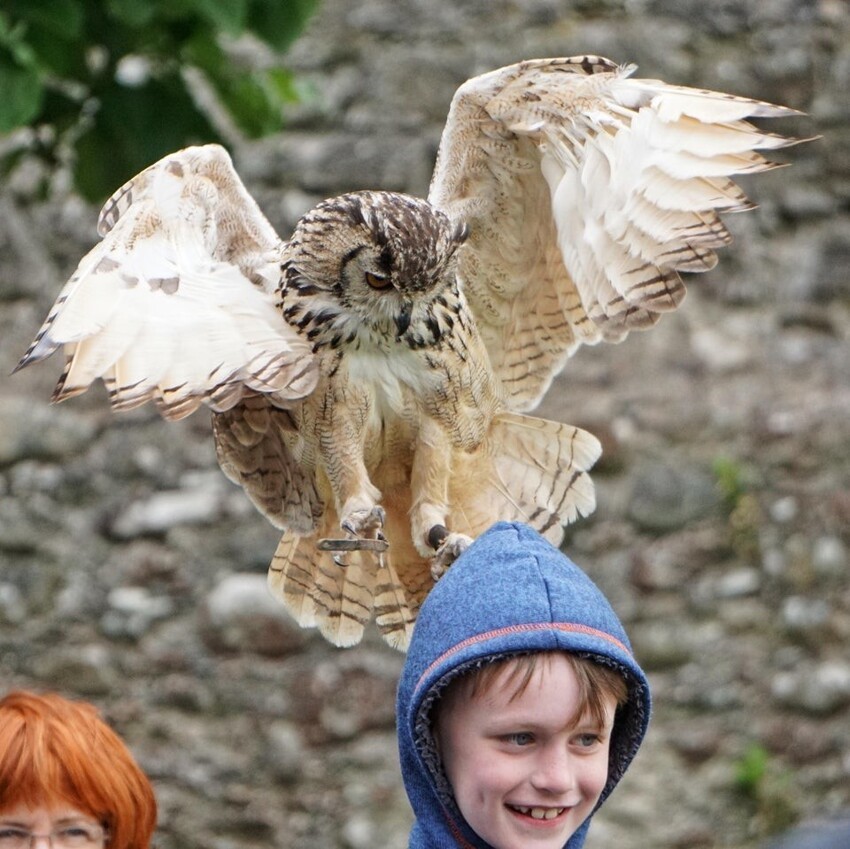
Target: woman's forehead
<point x="53" y="813"/>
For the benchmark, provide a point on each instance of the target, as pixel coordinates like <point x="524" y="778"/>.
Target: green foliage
<point x="768" y="788"/>
<point x="103" y="84"/>
<point x="730" y="480"/>
<point x="742" y="507"/>
<point x="751" y="769"/>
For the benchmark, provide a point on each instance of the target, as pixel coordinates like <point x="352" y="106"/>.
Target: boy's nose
<point x="554" y="771"/>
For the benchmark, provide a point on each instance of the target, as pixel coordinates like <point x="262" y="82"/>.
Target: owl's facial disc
<point x="376" y="261"/>
<point x="377" y="289"/>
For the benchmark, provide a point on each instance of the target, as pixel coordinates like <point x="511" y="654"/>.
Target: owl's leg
<point x="430" y="489"/>
<point x="340" y="422"/>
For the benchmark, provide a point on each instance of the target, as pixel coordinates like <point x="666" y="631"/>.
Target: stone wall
<point x="132" y="572"/>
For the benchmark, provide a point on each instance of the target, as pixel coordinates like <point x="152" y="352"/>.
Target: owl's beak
<point x="402" y="318"/>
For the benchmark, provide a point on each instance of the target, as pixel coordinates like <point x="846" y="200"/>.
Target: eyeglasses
<point x="75" y="836"/>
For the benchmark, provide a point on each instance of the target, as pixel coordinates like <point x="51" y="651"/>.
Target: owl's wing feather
<point x="253" y="453"/>
<point x="586" y="193"/>
<point x="533" y="471"/>
<point x="176" y="303"/>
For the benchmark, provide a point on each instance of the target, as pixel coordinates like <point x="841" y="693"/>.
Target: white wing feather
<point x="587" y="192"/>
<point x="176" y="304"/>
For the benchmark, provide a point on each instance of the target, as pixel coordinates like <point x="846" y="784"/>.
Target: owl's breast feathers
<point x="437" y="365"/>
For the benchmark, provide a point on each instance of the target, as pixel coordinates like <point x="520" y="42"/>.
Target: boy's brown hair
<point x="597" y="684"/>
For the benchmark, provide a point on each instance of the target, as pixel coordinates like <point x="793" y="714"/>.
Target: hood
<point x="511" y="592"/>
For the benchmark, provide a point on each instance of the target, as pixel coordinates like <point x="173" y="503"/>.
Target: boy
<point x="520" y="704"/>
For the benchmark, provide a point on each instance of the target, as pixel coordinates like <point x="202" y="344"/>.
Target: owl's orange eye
<point x="377" y="281"/>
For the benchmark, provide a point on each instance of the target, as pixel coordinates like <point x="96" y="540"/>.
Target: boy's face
<point x="526" y="772"/>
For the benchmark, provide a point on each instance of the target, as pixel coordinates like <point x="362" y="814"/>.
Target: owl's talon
<point x="450" y="549"/>
<point x="437" y="536"/>
<point x="364" y="523"/>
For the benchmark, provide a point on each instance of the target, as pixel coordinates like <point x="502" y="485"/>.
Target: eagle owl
<point x="369" y="377"/>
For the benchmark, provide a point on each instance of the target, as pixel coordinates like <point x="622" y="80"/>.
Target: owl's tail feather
<point x="538" y="474"/>
<point x="404" y="577"/>
<point x="394" y="614"/>
<point x="320" y="593"/>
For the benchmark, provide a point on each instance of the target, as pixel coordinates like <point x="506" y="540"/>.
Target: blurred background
<point x="133" y="574"/>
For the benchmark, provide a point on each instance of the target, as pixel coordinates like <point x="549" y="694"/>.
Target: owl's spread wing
<point x="586" y="193"/>
<point x="176" y="303"/>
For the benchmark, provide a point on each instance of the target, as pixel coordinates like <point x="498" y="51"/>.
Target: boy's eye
<point x="520" y="738"/>
<point x="588" y="740"/>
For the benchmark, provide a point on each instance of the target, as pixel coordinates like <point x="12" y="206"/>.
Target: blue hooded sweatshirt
<point x="511" y="592"/>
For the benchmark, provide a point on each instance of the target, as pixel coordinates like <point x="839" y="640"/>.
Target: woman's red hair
<point x="58" y="752"/>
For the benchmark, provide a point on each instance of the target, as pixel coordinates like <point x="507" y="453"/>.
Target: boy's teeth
<point x="540" y="813"/>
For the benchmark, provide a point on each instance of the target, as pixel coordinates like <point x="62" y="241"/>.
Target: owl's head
<point x="368" y="260"/>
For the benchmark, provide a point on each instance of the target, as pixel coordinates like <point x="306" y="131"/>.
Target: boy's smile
<point x="525" y="769"/>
